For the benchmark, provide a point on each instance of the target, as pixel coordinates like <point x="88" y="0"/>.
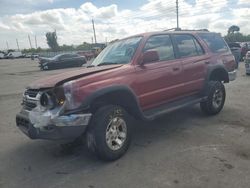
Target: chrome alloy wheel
<point x="217" y="98"/>
<point x="116" y="133"/>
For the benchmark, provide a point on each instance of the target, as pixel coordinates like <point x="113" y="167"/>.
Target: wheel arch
<point x="116" y="95"/>
<point x="217" y="73"/>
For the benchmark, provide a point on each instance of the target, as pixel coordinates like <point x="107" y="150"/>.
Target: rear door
<point x="75" y="60"/>
<point x="66" y="60"/>
<point x="194" y="62"/>
<point x="159" y="81"/>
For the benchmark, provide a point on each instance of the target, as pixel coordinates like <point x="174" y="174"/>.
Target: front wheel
<point x="109" y="133"/>
<point x="216" y="96"/>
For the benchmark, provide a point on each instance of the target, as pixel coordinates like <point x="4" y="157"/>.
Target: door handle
<point x="176" y="68"/>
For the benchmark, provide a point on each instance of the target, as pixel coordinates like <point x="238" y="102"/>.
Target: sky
<point x="113" y="19"/>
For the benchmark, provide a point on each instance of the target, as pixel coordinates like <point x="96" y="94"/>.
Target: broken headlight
<point x="47" y="100"/>
<point x="59" y="96"/>
<point x="52" y="98"/>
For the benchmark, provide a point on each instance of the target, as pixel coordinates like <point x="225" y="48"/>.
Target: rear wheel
<point x="109" y="134"/>
<point x="215" y="98"/>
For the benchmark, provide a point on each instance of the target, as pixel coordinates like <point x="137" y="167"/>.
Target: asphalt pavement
<point x="182" y="149"/>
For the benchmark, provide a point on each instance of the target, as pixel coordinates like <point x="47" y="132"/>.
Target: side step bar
<point x="154" y="113"/>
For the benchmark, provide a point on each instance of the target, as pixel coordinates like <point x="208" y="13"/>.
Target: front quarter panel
<point x="84" y="87"/>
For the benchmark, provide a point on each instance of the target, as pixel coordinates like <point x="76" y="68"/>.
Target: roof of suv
<point x="169" y="32"/>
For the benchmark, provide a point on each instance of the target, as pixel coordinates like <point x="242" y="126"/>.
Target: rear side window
<point x="73" y="55"/>
<point x="163" y="45"/>
<point x="188" y="46"/>
<point x="214" y="42"/>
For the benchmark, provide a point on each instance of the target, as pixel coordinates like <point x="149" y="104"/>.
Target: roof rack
<point x="195" y="30"/>
<point x="179" y="29"/>
<point x="172" y="29"/>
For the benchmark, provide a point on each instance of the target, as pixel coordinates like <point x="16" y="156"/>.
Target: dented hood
<point x="52" y="81"/>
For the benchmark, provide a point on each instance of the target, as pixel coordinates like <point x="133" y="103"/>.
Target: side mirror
<point x="150" y="56"/>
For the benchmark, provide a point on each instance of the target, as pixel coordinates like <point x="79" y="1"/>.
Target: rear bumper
<point x="63" y="128"/>
<point x="232" y="75"/>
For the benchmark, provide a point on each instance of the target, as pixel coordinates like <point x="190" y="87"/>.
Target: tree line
<point x="51" y="38"/>
<point x="233" y="35"/>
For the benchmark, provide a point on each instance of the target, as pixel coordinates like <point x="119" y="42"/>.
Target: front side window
<point x="214" y="41"/>
<point x="163" y="45"/>
<point x="187" y="46"/>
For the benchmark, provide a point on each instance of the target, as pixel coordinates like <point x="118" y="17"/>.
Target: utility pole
<point x="17" y="45"/>
<point x="177" y="13"/>
<point x="94" y="29"/>
<point x="29" y="41"/>
<point x="35" y="42"/>
<point x="7" y="44"/>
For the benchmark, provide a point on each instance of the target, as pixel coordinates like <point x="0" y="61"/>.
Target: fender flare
<point x="129" y="100"/>
<point x="217" y="67"/>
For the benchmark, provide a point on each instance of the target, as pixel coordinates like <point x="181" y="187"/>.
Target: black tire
<point x="96" y="137"/>
<point x="214" y="104"/>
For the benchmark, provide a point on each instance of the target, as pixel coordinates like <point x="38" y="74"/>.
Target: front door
<point x="159" y="81"/>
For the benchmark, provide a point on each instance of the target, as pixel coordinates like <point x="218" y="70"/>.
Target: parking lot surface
<point x="182" y="149"/>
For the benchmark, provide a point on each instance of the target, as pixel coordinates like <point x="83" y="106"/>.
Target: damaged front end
<point x="51" y="113"/>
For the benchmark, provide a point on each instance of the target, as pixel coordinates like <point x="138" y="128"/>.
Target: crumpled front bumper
<point x="60" y="128"/>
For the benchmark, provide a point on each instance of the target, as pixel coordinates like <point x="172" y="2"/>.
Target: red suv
<point x="143" y="76"/>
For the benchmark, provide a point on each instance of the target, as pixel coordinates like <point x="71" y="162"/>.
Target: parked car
<point x="87" y="54"/>
<point x="247" y="63"/>
<point x="33" y="56"/>
<point x="61" y="61"/>
<point x="2" y="55"/>
<point x="236" y="50"/>
<point x="244" y="49"/>
<point x="12" y="55"/>
<point x="144" y="76"/>
<point x="96" y="51"/>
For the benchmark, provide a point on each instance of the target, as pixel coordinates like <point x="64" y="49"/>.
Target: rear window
<point x="214" y="41"/>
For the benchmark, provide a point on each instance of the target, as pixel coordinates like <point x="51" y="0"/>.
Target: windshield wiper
<point x="107" y="63"/>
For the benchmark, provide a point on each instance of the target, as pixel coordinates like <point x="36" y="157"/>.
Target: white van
<point x="1" y="55"/>
<point x="14" y="55"/>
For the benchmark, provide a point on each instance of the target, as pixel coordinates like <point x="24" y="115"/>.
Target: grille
<point x="22" y="122"/>
<point x="31" y="93"/>
<point x="30" y="103"/>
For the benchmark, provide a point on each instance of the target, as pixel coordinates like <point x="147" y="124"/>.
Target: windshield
<point x="120" y="52"/>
